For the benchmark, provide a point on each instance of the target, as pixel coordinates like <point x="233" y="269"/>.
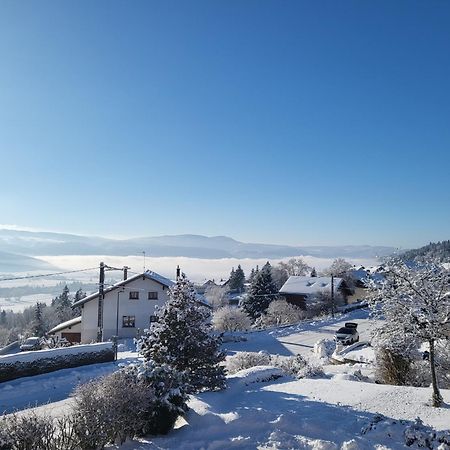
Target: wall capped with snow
<point x="27" y="364"/>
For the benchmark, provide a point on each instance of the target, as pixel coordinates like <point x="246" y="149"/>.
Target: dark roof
<point x="148" y="274"/>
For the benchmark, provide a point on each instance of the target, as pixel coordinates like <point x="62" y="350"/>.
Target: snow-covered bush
<point x="28" y="431"/>
<point x="169" y="395"/>
<point x="290" y="365"/>
<point x="258" y="374"/>
<point x="392" y="367"/>
<point x="311" y="370"/>
<point x="296" y="366"/>
<point x="104" y="410"/>
<point x="423" y="436"/>
<point x="182" y="338"/>
<point x="139" y="399"/>
<point x="280" y="312"/>
<point x="324" y="348"/>
<point x="245" y="360"/>
<point x="231" y="319"/>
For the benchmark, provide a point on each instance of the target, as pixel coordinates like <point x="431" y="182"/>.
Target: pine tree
<point x="183" y="339"/>
<point x="262" y="291"/>
<point x="79" y="295"/>
<point x="237" y="279"/>
<point x="63" y="305"/>
<point x="253" y="274"/>
<point x="38" y="326"/>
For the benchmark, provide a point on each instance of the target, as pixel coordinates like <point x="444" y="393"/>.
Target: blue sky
<point x="273" y="121"/>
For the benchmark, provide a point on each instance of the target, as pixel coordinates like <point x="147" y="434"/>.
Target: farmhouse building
<point x="298" y="290"/>
<point x="129" y="307"/>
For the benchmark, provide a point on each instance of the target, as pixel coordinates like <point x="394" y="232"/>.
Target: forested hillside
<point x="435" y="250"/>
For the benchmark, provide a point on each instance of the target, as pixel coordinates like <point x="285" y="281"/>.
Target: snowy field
<point x="322" y="414"/>
<point x="17" y="304"/>
<point x="334" y="411"/>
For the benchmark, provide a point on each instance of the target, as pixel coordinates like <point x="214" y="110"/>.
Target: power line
<point x="47" y="274"/>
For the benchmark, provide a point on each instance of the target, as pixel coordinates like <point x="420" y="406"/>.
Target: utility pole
<point x="101" y="297"/>
<point x="144" y="260"/>
<point x="332" y="296"/>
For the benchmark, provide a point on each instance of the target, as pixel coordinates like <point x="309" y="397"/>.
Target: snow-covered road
<point x="52" y="387"/>
<point x="300" y="338"/>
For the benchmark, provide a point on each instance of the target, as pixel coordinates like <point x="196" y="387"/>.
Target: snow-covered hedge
<point x="296" y="366"/>
<point x="27" y="364"/>
<point x="245" y="360"/>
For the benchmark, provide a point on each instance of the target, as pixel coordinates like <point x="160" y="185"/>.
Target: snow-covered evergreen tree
<point x="237" y="279"/>
<point x="415" y="305"/>
<point x="262" y="291"/>
<point x="79" y="295"/>
<point x="183" y="339"/>
<point x="38" y="325"/>
<point x="63" y="305"/>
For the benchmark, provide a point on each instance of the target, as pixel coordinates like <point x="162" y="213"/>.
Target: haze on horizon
<point x="298" y="123"/>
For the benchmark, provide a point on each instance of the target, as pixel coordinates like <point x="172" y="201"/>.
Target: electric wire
<point x="47" y="274"/>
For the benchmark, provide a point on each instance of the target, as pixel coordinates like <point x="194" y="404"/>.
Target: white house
<point x="128" y="307"/>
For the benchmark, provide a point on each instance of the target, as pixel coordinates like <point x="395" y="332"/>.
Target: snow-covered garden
<point x="285" y="387"/>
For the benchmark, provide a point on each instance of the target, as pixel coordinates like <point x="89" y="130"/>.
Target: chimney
<point x="178" y="272"/>
<point x="125" y="272"/>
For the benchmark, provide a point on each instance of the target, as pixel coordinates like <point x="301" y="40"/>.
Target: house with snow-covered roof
<point x="298" y="290"/>
<point x="70" y="330"/>
<point x="129" y="307"/>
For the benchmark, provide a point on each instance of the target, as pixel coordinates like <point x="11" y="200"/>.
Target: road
<point x="300" y="338"/>
<point x="303" y="342"/>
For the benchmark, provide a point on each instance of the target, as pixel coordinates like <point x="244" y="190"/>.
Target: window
<point x="153" y="319"/>
<point x="128" y="321"/>
<point x="153" y="296"/>
<point x="134" y="295"/>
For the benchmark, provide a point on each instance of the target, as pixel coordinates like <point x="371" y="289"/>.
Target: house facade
<point x="128" y="307"/>
<point x="299" y="290"/>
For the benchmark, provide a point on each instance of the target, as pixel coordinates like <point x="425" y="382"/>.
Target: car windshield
<point x="345" y="331"/>
<point x="32" y="341"/>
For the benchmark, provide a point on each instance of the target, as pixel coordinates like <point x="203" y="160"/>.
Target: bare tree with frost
<point x="415" y="306"/>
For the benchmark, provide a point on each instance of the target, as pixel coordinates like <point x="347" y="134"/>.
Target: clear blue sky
<point x="299" y="122"/>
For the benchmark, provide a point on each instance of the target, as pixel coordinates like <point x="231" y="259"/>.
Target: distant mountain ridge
<point x="189" y="245"/>
<point x="10" y="262"/>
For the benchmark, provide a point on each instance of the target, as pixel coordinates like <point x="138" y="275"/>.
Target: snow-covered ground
<point x="53" y="387"/>
<point x="301" y="414"/>
<point x="18" y="304"/>
<point x="258" y="410"/>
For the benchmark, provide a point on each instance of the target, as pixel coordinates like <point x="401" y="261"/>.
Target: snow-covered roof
<point x="147" y="274"/>
<point x="361" y="274"/>
<point x="303" y="285"/>
<point x="66" y="324"/>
